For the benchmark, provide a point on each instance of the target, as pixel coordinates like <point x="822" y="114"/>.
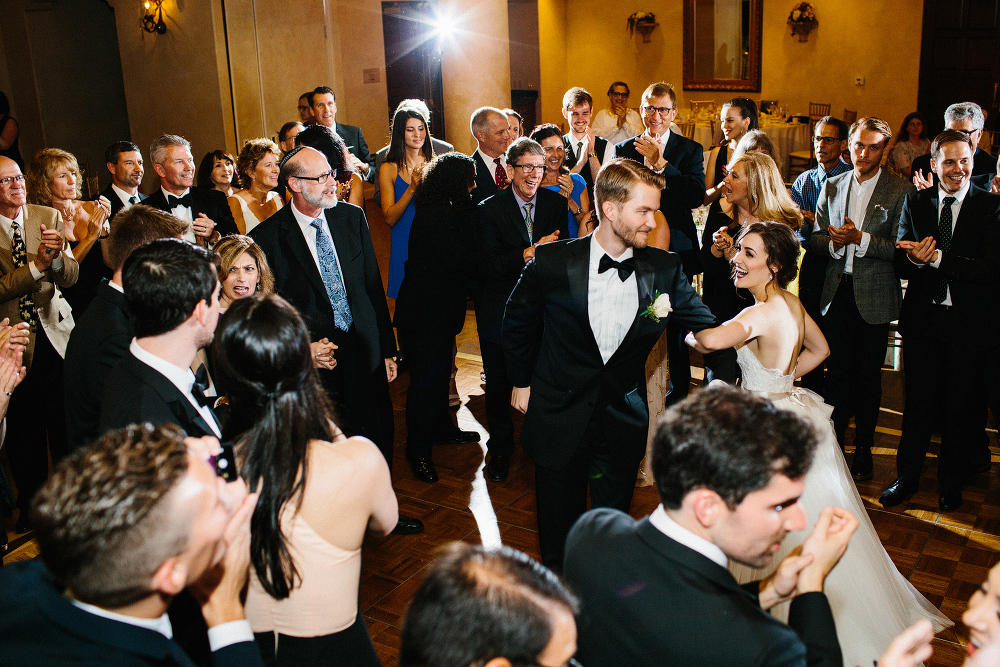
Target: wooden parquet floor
<point x="944" y="556"/>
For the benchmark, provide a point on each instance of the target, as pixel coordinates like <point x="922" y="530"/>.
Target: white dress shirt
<point x="219" y="637"/>
<point x="612" y="304"/>
<point x="6" y="223"/>
<point x="857" y="206"/>
<point x="182" y="378"/>
<point x="579" y="145"/>
<point x="309" y="233"/>
<point x="956" y="207"/>
<point x="184" y="213"/>
<point x="125" y="197"/>
<point x="491" y="165"/>
<point x="678" y="533"/>
<point x="605" y="125"/>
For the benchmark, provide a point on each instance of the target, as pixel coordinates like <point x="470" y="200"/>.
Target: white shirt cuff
<point x="936" y="262"/>
<point x="228" y="634"/>
<point x="35" y="273"/>
<point x="862" y="248"/>
<point x="836" y="254"/>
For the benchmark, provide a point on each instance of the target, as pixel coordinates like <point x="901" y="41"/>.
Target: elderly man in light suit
<point x="856" y="221"/>
<point x="32" y="263"/>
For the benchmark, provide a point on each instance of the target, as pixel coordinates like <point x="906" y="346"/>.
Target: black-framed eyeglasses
<point x="826" y="141"/>
<point x="663" y="111"/>
<point x="322" y="179"/>
<point x="619" y="94"/>
<point x="12" y="179"/>
<point x="527" y="169"/>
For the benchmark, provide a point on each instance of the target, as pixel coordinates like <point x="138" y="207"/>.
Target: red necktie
<point x="501" y="175"/>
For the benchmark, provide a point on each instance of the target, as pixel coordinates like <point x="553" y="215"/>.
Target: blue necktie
<point x="331" y="277"/>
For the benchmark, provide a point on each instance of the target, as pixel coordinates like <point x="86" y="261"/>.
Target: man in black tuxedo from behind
<point x="576" y="333"/>
<point x="124" y="161"/>
<point x="493" y="136"/>
<point x="207" y="211"/>
<point x="508" y="242"/>
<point x="102" y="334"/>
<point x="172" y="299"/>
<point x="948" y="250"/>
<point x="680" y="162"/>
<point x="324" y="107"/>
<point x="100" y="590"/>
<point x="729" y="469"/>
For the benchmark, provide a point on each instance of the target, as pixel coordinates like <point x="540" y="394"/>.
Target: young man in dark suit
<point x="680" y="162"/>
<point x="949" y="251"/>
<point x="172" y="299"/>
<point x="585" y="152"/>
<point x="321" y="253"/>
<point x="102" y="334"/>
<point x="507" y="242"/>
<point x="99" y="593"/>
<point x="206" y="210"/>
<point x="576" y="332"/>
<point x="324" y="107"/>
<point x="492" y="132"/>
<point x="124" y="161"/>
<point x="729" y="469"/>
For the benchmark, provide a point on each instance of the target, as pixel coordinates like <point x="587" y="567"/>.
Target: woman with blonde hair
<point x="53" y="179"/>
<point x="257" y="168"/>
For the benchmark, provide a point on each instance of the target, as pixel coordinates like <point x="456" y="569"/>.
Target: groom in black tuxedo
<point x="576" y="334"/>
<point x="949" y="250"/>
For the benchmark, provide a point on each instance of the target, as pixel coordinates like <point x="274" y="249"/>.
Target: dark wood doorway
<point x="959" y="59"/>
<point x="413" y="59"/>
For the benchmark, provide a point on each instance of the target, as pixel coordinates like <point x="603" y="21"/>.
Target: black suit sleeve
<point x="499" y="260"/>
<point x="905" y="268"/>
<point x="365" y="157"/>
<point x="522" y="324"/>
<point x="688" y="310"/>
<point x="241" y="654"/>
<point x="373" y="286"/>
<point x="983" y="268"/>
<point x="686" y="178"/>
<point x="218" y="211"/>
<point x="812" y="619"/>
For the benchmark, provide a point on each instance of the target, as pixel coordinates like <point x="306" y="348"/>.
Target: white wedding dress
<point x="871" y="601"/>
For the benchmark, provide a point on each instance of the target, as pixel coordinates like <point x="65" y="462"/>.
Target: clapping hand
<point x="920" y="182"/>
<point x="565" y="185"/>
<point x="49" y="248"/>
<point x="649" y="148"/>
<point x="920" y="252"/>
<point x="204" y="228"/>
<point x="14" y="336"/>
<point x="827" y="543"/>
<point x="11" y="372"/>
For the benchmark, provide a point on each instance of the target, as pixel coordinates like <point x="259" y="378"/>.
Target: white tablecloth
<point x="786" y="137"/>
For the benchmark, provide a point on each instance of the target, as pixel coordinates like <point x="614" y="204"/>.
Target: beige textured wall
<point x="846" y="44"/>
<point x="475" y="66"/>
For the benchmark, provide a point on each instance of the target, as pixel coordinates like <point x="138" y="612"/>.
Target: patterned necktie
<point x="331" y="277"/>
<point x="25" y="304"/>
<point x="943" y="244"/>
<point x="527" y="220"/>
<point x="501" y="175"/>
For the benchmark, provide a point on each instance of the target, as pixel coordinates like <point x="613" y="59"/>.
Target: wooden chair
<point x="687" y="129"/>
<point x="817" y="110"/>
<point x="850" y="116"/>
<point x="800" y="161"/>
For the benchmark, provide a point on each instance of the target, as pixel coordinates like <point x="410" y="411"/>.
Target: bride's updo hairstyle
<point x="262" y="362"/>
<point x="782" y="248"/>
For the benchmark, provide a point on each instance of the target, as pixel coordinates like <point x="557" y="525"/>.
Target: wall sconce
<point x="149" y="24"/>
<point x="643" y="22"/>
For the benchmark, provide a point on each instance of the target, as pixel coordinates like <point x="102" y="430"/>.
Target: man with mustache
<point x="857" y="216"/>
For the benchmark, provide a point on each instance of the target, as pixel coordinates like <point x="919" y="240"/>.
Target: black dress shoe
<point x="899" y="492"/>
<point x="23" y="524"/>
<point x="423" y="469"/>
<point x="407" y="525"/>
<point x="862" y="467"/>
<point x="497" y="468"/>
<point x="460" y="438"/>
<point x="951" y="498"/>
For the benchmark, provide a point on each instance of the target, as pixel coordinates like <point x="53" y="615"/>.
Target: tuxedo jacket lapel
<point x="514" y="216"/>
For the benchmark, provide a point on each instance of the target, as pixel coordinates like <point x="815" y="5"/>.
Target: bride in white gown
<point x="777" y="342"/>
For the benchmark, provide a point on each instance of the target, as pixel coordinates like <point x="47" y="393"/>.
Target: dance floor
<point x="946" y="556"/>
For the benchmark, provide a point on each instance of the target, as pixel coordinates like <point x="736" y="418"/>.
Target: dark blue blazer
<point x="684" y="190"/>
<point x="39" y="627"/>
<point x="356" y="144"/>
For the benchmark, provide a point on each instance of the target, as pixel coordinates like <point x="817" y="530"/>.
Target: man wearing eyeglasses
<point x="100" y="591"/>
<point x="321" y="253"/>
<point x="32" y="264"/>
<point x="967" y="118"/>
<point x="619" y="122"/>
<point x="829" y="143"/>
<point x="512" y="224"/>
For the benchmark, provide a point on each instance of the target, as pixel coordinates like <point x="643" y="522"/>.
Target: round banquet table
<point x="786" y="137"/>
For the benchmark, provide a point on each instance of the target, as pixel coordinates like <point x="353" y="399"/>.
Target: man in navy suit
<point x="576" y="340"/>
<point x="124" y="161"/>
<point x="172" y="299"/>
<point x="112" y="561"/>
<point x="949" y="251"/>
<point x="324" y="107"/>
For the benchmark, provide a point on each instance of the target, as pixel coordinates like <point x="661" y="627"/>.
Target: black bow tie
<point x="173" y="202"/>
<point x="625" y="267"/>
<point x="199" y="387"/>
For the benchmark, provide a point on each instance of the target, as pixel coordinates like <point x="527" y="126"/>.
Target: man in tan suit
<point x="32" y="263"/>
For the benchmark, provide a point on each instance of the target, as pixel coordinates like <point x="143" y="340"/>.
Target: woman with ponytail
<point x="319" y="490"/>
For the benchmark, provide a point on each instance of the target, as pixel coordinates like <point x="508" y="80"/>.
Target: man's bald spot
<point x="6" y="163"/>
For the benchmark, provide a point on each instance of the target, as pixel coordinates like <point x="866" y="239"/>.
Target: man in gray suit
<point x="439" y="147"/>
<point x="857" y="217"/>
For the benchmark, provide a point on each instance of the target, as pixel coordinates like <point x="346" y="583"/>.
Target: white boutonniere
<point x="659" y="306"/>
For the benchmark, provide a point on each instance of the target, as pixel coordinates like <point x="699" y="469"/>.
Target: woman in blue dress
<point x="409" y="151"/>
<point x="558" y="179"/>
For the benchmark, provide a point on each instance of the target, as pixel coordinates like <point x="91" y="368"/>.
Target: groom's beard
<point x="632" y="238"/>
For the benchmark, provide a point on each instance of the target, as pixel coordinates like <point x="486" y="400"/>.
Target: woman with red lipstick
<point x="737" y="117"/>
<point x="776" y="342"/>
